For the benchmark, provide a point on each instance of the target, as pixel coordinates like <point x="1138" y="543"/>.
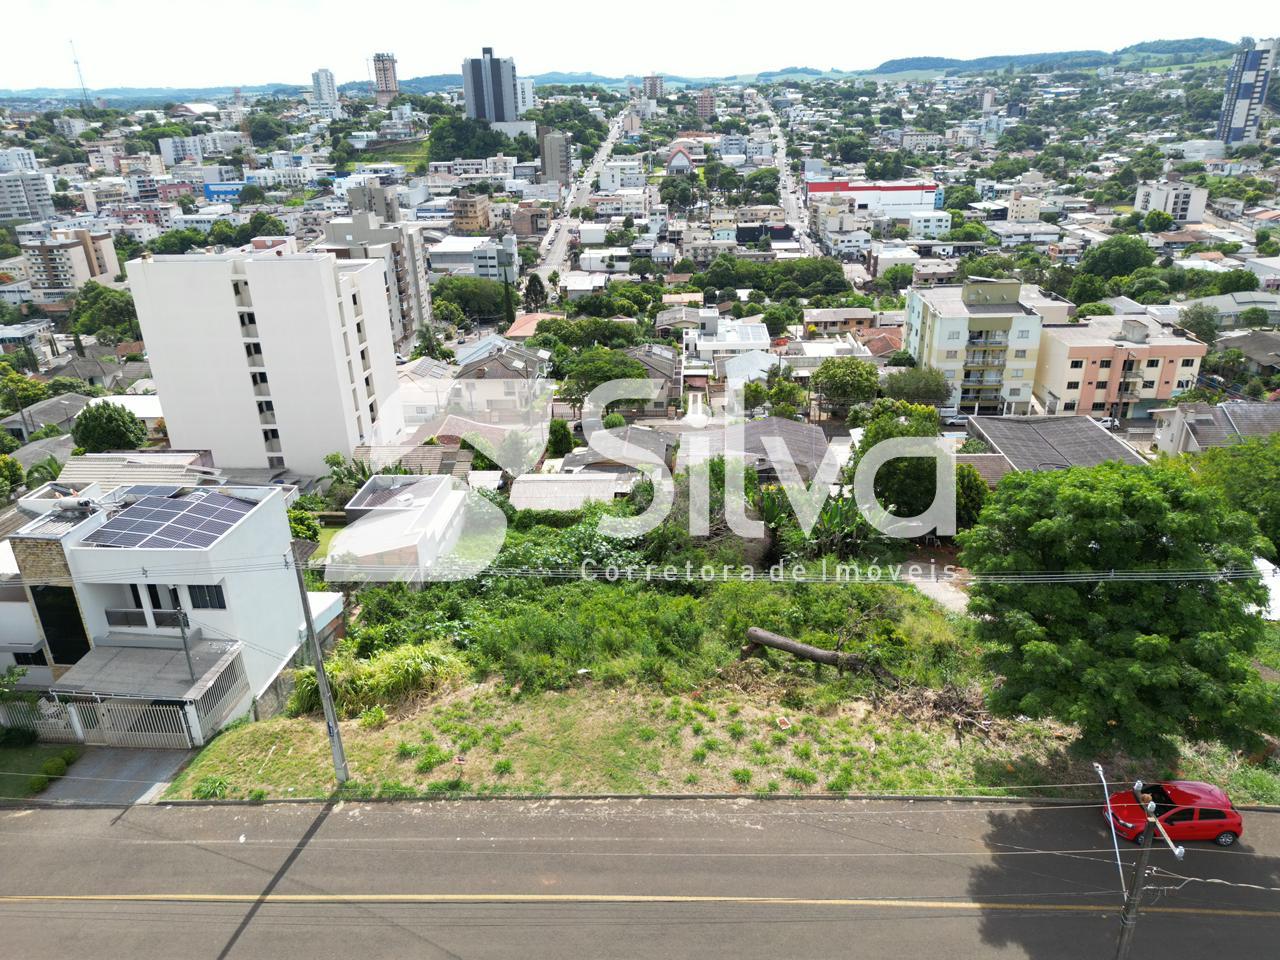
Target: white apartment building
<point x="324" y="89"/>
<point x="17" y="158"/>
<point x="526" y="99"/>
<point x="267" y="357"/>
<point x="625" y="173"/>
<point x="24" y="195"/>
<point x="153" y="609"/>
<point x="486" y="257"/>
<point x="62" y="263"/>
<point x="404" y="250"/>
<point x="921" y="140"/>
<point x="217" y="143"/>
<point x="893" y="199"/>
<point x="929" y="224"/>
<point x="1023" y="209"/>
<point x="719" y="336"/>
<point x="984" y="335"/>
<point x="1184" y="202"/>
<point x="629" y="201"/>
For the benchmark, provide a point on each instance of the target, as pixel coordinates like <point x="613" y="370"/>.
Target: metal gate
<point x="108" y="723"/>
<point x="132" y="723"/>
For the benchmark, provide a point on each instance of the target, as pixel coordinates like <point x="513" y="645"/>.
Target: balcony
<point x="267" y="419"/>
<point x="255" y="361"/>
<point x="989" y="340"/>
<point x="131" y="621"/>
<point x="272" y="446"/>
<point x="249" y="330"/>
<point x="262" y="389"/>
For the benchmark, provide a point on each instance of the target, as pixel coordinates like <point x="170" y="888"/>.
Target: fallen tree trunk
<point x="757" y="638"/>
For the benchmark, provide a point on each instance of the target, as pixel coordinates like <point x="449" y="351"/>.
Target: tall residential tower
<point x="489" y="84"/>
<point x="1246" y="92"/>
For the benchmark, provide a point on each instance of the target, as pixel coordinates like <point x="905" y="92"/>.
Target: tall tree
<point x="1132" y="663"/>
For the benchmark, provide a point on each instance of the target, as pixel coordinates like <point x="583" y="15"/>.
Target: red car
<point x="1189" y="810"/>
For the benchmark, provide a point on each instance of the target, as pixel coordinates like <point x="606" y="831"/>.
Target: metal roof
<point x="1052" y="443"/>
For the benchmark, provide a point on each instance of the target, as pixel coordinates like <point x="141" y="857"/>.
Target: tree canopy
<point x="1132" y="663"/>
<point x="108" y="426"/>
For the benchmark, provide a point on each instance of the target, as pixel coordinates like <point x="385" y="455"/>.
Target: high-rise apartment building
<point x="653" y="86"/>
<point x="267" y="357"/>
<point x="1246" y="92"/>
<point x="24" y="195"/>
<point x="706" y="104"/>
<point x="324" y="92"/>
<point x="370" y="234"/>
<point x="63" y="262"/>
<point x="557" y="156"/>
<point x="489" y="86"/>
<point x="526" y="99"/>
<point x="385" y="85"/>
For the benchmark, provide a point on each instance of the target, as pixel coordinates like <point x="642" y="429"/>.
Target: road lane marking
<point x="588" y="898"/>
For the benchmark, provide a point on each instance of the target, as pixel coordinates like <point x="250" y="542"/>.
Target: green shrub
<point x="503" y="767"/>
<point x="54" y="767"/>
<point x="388" y="676"/>
<point x="17" y="737"/>
<point x="396" y="789"/>
<point x="211" y="788"/>
<point x="801" y="775"/>
<point x="38" y="783"/>
<point x="431" y="757"/>
<point x="737" y="730"/>
<point x="69" y="755"/>
<point x="557" y="519"/>
<point x="257" y="795"/>
<point x="407" y="751"/>
<point x="742" y="775"/>
<point x="373" y="718"/>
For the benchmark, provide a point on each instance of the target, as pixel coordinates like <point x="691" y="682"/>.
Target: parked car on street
<point x="1189" y="810"/>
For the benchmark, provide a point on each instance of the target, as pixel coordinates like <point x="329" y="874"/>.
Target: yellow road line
<point x="588" y="898"/>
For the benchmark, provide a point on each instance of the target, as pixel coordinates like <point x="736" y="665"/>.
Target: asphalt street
<point x="614" y="879"/>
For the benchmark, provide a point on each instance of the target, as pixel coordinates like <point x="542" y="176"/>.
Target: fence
<point x="111" y="723"/>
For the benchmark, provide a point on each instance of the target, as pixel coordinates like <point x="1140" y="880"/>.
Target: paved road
<point x="555" y="243"/>
<point x="790" y="195"/>
<point x="609" y="879"/>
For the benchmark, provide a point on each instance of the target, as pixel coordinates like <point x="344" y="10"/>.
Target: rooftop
<point x="1052" y="443"/>
<point x="156" y="673"/>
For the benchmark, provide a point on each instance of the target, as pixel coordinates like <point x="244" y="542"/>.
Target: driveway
<point x="117" y="775"/>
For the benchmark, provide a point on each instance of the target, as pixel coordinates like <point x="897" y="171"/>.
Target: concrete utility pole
<point x="322" y="681"/>
<point x="1129" y="918"/>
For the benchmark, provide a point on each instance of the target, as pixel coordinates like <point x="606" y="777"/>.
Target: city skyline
<point x="255" y="58"/>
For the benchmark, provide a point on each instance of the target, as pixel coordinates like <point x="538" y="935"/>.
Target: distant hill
<point x="1199" y="46"/>
<point x="1065" y="59"/>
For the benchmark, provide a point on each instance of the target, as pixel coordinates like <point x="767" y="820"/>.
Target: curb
<point x="35" y="803"/>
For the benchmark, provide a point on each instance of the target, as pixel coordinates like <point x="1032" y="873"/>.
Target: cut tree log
<point x="757" y="638"/>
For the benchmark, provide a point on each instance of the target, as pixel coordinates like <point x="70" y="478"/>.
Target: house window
<point x="1104" y="364"/>
<point x="207" y="597"/>
<point x="1152" y="363"/>
<point x="1188" y="362"/>
<point x="1016" y="374"/>
<point x="1100" y="405"/>
<point x="1024" y="334"/>
<point x="1015" y="391"/>
<point x="1019" y="354"/>
<point x="1069" y="405"/>
<point x="1073" y="384"/>
<point x="952" y="354"/>
<point x="1100" y="385"/>
<point x="1148" y="384"/>
<point x="1077" y="364"/>
<point x="953" y="334"/>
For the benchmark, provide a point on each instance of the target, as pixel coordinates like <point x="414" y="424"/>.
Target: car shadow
<point x="1052" y="889"/>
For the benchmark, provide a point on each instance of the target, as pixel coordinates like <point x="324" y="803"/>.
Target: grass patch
<point x="23" y="768"/>
<point x="600" y="740"/>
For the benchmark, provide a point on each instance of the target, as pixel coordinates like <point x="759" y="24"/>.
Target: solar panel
<point x="156" y="521"/>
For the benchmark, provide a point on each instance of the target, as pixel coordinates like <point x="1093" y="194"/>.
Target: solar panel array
<point x="171" y="523"/>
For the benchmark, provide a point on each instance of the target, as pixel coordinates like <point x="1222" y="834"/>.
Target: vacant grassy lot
<point x="597" y="740"/>
<point x="408" y="152"/>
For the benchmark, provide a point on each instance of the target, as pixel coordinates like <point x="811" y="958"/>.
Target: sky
<point x="281" y="41"/>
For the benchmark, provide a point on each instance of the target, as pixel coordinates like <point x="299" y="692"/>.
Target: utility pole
<point x="1129" y="918"/>
<point x="186" y="645"/>
<point x="322" y="681"/>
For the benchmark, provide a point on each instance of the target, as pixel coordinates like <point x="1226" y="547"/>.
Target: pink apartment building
<point x="1118" y="366"/>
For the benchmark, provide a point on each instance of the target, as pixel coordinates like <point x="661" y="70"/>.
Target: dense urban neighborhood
<point x="796" y="513"/>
